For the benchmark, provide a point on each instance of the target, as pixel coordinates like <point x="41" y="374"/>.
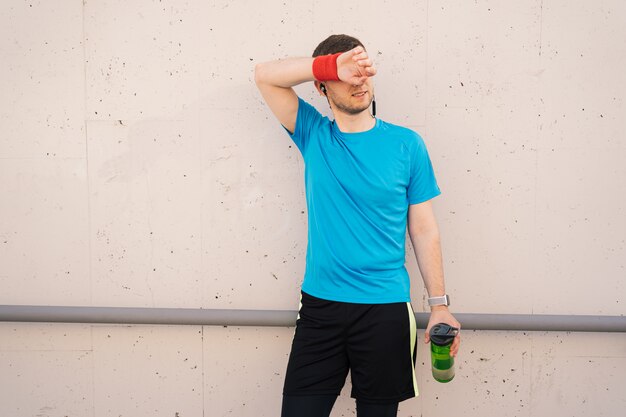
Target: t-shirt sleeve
<point x="308" y="117"/>
<point x="422" y="182"/>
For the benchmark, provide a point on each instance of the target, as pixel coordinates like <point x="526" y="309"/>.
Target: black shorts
<point x="376" y="342"/>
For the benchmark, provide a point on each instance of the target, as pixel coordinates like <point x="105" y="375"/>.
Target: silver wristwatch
<point x="443" y="300"/>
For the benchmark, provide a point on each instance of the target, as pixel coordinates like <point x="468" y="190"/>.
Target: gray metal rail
<point x="287" y="318"/>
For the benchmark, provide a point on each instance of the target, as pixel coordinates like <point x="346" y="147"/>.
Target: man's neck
<point x="354" y="123"/>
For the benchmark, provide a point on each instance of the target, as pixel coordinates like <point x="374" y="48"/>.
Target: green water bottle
<point x="441" y="337"/>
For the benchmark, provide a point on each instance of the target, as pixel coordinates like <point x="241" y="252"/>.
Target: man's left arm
<point x="424" y="234"/>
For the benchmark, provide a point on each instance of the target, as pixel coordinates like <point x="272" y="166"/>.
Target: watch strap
<point x="443" y="300"/>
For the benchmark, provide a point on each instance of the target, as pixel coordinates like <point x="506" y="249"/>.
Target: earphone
<point x="323" y="88"/>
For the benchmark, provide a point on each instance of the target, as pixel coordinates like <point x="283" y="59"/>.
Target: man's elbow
<point x="259" y="73"/>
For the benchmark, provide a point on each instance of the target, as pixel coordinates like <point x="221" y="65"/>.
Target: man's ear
<point x="320" y="87"/>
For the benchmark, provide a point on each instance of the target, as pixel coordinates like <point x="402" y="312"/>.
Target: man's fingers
<point x="360" y="56"/>
<point x="366" y="67"/>
<point x="358" y="63"/>
<point x="454" y="348"/>
<point x="359" y="49"/>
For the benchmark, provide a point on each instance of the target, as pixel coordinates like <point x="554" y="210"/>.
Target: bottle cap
<point x="442" y="334"/>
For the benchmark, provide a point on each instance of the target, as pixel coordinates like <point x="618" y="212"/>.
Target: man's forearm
<point x="284" y="73"/>
<point x="427" y="247"/>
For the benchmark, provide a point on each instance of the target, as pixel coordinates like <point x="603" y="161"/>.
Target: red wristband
<point x="325" y="67"/>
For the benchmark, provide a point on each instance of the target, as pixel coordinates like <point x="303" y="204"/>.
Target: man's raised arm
<point x="275" y="79"/>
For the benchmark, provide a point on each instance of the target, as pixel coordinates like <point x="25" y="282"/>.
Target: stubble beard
<point x="351" y="110"/>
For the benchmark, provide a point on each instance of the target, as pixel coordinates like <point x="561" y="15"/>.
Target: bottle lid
<point x="442" y="334"/>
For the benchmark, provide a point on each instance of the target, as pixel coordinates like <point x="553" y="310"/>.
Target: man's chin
<point x="353" y="111"/>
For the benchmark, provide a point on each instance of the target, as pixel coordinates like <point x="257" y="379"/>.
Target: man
<point x="365" y="180"/>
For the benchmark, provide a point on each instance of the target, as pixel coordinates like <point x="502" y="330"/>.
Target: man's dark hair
<point x="336" y="43"/>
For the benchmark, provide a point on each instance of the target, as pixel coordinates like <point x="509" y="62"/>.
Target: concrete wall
<point x="139" y="167"/>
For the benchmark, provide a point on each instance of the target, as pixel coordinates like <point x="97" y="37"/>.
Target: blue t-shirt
<point x="358" y="190"/>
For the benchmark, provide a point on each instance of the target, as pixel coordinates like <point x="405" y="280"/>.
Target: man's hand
<point x="355" y="66"/>
<point x="440" y="314"/>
